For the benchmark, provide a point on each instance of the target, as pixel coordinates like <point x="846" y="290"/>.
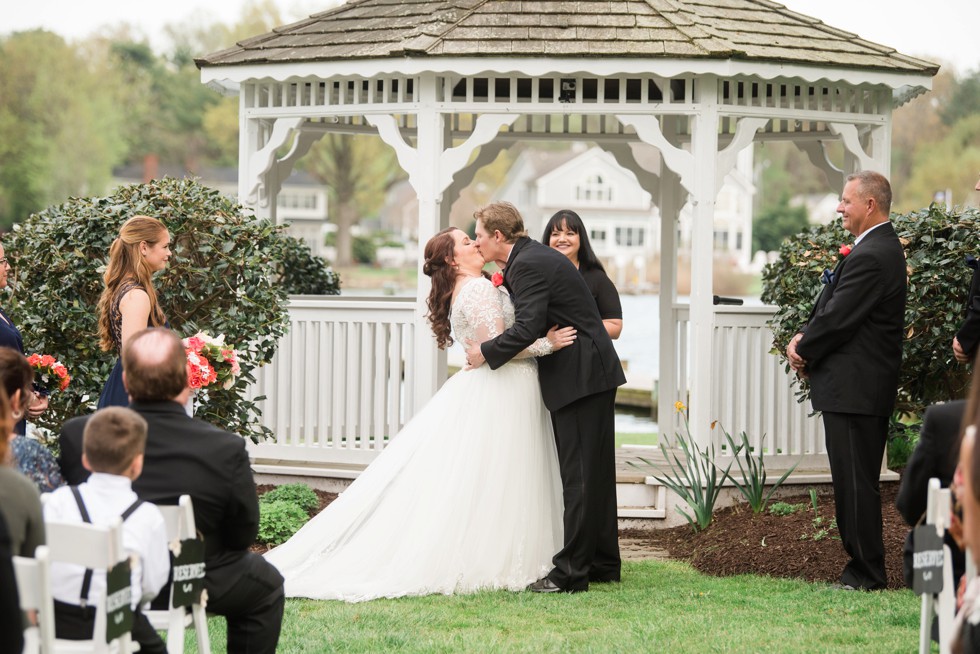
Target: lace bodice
<point x="482" y="312"/>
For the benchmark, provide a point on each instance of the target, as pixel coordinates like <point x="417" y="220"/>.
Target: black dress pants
<point x="855" y="446"/>
<point x="585" y="433"/>
<point x="249" y="594"/>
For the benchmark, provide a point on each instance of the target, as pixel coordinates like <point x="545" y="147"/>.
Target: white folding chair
<point x="943" y="605"/>
<point x="34" y="594"/>
<point x="175" y="621"/>
<point x="98" y="548"/>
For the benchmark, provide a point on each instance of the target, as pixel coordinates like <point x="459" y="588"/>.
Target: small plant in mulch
<point x="283" y="510"/>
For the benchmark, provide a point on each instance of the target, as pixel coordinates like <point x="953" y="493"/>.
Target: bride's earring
<point x="16" y="415"/>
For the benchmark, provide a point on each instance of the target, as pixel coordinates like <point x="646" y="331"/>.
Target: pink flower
<point x="844" y="250"/>
<point x="497" y="278"/>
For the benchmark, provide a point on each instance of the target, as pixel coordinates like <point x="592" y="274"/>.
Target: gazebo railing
<point x="336" y="390"/>
<point x="750" y="389"/>
<point x="340" y="384"/>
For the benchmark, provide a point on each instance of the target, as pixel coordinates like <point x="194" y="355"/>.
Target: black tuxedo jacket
<point x="969" y="333"/>
<point x="547" y="290"/>
<point x="187" y="456"/>
<point x="852" y="342"/>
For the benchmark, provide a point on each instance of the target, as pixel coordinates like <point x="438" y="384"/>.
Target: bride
<point x="467" y="496"/>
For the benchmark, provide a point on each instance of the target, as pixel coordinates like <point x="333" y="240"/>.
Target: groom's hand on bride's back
<point x="561" y="337"/>
<point x="474" y="355"/>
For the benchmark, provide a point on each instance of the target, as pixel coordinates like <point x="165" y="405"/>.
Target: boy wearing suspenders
<point x="113" y="443"/>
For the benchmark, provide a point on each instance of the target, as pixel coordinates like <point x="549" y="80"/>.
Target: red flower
<point x="844" y="250"/>
<point x="497" y="278"/>
<point x="48" y="370"/>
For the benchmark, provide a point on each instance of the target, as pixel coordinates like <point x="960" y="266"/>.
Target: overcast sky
<point x="945" y="30"/>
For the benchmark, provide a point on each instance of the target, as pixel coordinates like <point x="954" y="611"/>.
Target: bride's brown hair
<point x="439" y="267"/>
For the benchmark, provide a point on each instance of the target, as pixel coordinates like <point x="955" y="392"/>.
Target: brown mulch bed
<point x="736" y="542"/>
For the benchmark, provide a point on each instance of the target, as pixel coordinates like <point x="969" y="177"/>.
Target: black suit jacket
<point x="547" y="290"/>
<point x="853" y="341"/>
<point x="188" y="456"/>
<point x="969" y="333"/>
<point x="935" y="455"/>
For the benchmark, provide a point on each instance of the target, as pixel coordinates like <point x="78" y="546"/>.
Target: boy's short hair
<point x="112" y="438"/>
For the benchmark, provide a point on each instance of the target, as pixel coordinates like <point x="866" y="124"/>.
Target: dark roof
<point x="754" y="30"/>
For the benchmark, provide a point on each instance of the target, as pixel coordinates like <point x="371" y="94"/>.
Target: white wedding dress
<point x="466" y="497"/>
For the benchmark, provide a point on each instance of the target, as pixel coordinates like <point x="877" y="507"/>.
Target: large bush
<point x="936" y="246"/>
<point x="223" y="278"/>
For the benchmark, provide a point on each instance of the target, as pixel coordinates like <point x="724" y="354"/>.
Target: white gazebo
<point x="448" y="84"/>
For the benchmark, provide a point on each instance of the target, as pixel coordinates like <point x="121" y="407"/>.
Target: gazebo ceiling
<point x="746" y="30"/>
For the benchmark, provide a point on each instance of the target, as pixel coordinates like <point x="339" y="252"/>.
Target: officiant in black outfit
<point x="578" y="385"/>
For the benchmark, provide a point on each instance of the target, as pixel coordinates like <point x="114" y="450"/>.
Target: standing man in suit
<point x="968" y="337"/>
<point x="578" y="384"/>
<point x="188" y="456"/>
<point x="851" y="349"/>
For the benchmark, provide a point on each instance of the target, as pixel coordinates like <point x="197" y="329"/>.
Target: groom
<point x="578" y="384"/>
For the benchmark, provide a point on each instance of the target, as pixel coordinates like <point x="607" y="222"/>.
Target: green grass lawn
<point x="659" y="607"/>
<point x="635" y="439"/>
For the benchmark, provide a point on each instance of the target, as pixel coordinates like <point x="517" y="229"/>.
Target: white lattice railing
<point x="336" y="389"/>
<point x="750" y="390"/>
<point x="340" y="384"/>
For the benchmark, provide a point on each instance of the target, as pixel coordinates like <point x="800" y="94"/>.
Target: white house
<point x="623" y="222"/>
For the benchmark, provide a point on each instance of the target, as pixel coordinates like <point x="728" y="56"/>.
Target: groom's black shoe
<point x="545" y="585"/>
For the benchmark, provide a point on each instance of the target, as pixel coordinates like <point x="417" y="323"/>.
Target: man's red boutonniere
<point x="844" y="250"/>
<point x="497" y="278"/>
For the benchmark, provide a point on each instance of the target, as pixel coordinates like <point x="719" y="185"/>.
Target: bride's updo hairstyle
<point x="439" y="267"/>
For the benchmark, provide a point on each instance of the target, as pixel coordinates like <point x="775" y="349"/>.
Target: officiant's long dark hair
<point x="439" y="267"/>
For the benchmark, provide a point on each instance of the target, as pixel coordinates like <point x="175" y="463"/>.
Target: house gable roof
<point x="750" y="30"/>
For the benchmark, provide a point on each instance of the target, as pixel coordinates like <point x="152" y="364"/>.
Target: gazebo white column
<point x="704" y="146"/>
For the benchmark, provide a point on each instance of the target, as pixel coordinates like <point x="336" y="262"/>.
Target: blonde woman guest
<point x="566" y="233"/>
<point x="129" y="302"/>
<point x="10" y="337"/>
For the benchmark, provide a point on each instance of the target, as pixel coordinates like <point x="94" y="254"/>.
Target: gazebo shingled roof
<point x="691" y="29"/>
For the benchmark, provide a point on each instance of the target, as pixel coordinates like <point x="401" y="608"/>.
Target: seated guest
<point x="20" y="501"/>
<point x="113" y="443"/>
<point x="31" y="457"/>
<point x="11" y="640"/>
<point x="189" y="456"/>
<point x="935" y="455"/>
<point x="966" y="486"/>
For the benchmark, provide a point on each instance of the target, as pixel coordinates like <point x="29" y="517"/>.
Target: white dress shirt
<point x="106" y="497"/>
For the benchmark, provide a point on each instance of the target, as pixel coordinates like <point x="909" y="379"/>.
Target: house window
<point x="630" y="236"/>
<point x="297" y="200"/>
<point x="597" y="236"/>
<point x="594" y="189"/>
<point x="721" y="240"/>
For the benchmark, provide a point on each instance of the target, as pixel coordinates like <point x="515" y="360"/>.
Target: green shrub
<point x="278" y="520"/>
<point x="304" y="273"/>
<point x="224" y="278"/>
<point x="299" y="494"/>
<point x="936" y="245"/>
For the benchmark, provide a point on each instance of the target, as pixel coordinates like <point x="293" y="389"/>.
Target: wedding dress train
<point x="466" y="497"/>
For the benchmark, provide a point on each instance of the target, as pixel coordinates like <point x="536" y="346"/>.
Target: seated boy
<point x="112" y="449"/>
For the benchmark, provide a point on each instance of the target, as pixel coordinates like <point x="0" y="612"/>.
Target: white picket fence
<point x="336" y="389"/>
<point x="751" y="390"/>
<point x="340" y="384"/>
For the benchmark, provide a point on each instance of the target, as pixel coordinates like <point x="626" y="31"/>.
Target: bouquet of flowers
<point x="48" y="371"/>
<point x="210" y="360"/>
